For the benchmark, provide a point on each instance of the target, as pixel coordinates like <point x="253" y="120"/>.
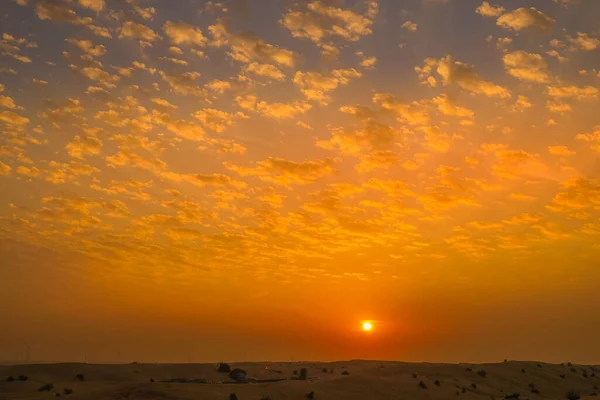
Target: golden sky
<point x="205" y="180"/>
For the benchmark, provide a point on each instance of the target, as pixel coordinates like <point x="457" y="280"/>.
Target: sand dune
<point x="364" y="380"/>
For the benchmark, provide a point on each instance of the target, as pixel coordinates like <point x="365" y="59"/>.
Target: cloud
<point x="12" y="118"/>
<point x="181" y="33"/>
<point x="322" y="21"/>
<point x="447" y="106"/>
<point x="560" y="151"/>
<point x="98" y="75"/>
<point x="285" y="172"/>
<point x="488" y="10"/>
<point x="59" y="11"/>
<point x="31" y="172"/>
<point x="578" y="194"/>
<point x="265" y="70"/>
<point x="247" y="47"/>
<point x="412" y="113"/>
<point x="5" y="169"/>
<point x="83" y="145"/>
<point x="134" y="30"/>
<point x="523" y="103"/>
<point x="366" y="62"/>
<point x="88" y="47"/>
<point x="282" y="110"/>
<point x="217" y="120"/>
<point x="524" y="18"/>
<point x="462" y="75"/>
<point x="315" y="85"/>
<point x="592" y="138"/>
<point x="558" y="107"/>
<point x="94" y="5"/>
<point x="584" y="42"/>
<point x="184" y="83"/>
<point x="526" y="66"/>
<point x="579" y="93"/>
<point x="409" y="25"/>
<point x="374" y="136"/>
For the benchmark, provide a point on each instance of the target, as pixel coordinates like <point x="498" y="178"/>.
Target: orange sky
<point x="234" y="182"/>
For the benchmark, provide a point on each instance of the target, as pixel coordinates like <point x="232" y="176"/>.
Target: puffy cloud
<point x="315" y="85"/>
<point x="31" y="172"/>
<point x="134" y="30"/>
<point x="366" y="62"/>
<point x="281" y="110"/>
<point x="95" y="5"/>
<point x="578" y="194"/>
<point x="580" y="93"/>
<point x="447" y="106"/>
<point x="217" y="120"/>
<point x="88" y="47"/>
<point x="523" y="18"/>
<point x="99" y="75"/>
<point x="5" y="169"/>
<point x="321" y="21"/>
<point x="522" y="104"/>
<point x="247" y="47"/>
<point x="409" y="25"/>
<point x="59" y="11"/>
<point x="462" y="75"/>
<point x="374" y="136"/>
<point x="84" y="145"/>
<point x="12" y="118"/>
<point x="266" y="70"/>
<point x="184" y="83"/>
<point x="7" y="102"/>
<point x="488" y="10"/>
<point x="558" y="107"/>
<point x="219" y="86"/>
<point x="526" y="66"/>
<point x="286" y="172"/>
<point x="181" y="33"/>
<point x="182" y="128"/>
<point x="413" y="113"/>
<point x="560" y="151"/>
<point x="592" y="138"/>
<point x="583" y="41"/>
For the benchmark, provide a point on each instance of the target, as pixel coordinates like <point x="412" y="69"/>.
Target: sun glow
<point x="367" y="326"/>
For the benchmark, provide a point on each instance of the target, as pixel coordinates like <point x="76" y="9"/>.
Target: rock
<point x="46" y="388"/>
<point x="152" y="380"/>
<point x="303" y="374"/>
<point x="223" y="367"/>
<point x="233" y="396"/>
<point x="10" y="379"/>
<point x="512" y="396"/>
<point x="422" y="385"/>
<point x="23" y="378"/>
<point x="67" y="391"/>
<point x="437" y="383"/>
<point x="482" y="373"/>
<point x="345" y="373"/>
<point x="80" y="377"/>
<point x="310" y="395"/>
<point x="238" y="375"/>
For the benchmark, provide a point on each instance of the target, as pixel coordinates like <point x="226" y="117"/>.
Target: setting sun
<point x="367" y="326"/>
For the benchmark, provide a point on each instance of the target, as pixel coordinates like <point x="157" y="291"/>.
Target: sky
<point x="250" y="180"/>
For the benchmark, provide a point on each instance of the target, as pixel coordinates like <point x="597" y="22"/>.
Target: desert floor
<point x="364" y="380"/>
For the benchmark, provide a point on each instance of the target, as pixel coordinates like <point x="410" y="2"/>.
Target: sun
<point x="367" y="326"/>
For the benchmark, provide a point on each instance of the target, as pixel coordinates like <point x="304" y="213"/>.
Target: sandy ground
<point x="365" y="380"/>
